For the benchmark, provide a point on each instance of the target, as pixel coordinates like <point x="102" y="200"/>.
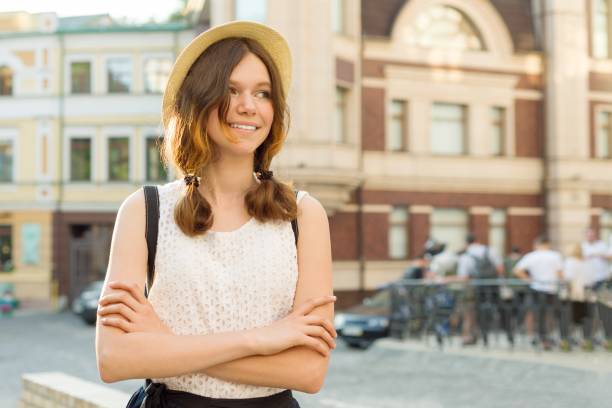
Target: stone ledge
<point x="59" y="390"/>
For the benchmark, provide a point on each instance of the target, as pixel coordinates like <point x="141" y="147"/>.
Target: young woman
<point x="239" y="313"/>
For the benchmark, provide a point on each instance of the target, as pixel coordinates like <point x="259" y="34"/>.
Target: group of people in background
<point x="580" y="280"/>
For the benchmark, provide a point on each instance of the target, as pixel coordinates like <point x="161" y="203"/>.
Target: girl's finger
<point x="135" y="289"/>
<point x="117" y="322"/>
<point x="320" y="332"/>
<point x="118" y="308"/>
<point x="317" y="345"/>
<point x="120" y="296"/>
<point x="321" y="321"/>
<point x="311" y="304"/>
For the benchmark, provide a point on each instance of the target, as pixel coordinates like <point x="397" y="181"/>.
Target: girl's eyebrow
<point x="257" y="85"/>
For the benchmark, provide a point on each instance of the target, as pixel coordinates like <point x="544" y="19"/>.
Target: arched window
<point x="444" y="27"/>
<point x="6" y="80"/>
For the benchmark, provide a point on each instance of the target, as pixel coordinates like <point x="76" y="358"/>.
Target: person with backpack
<point x="478" y="262"/>
<point x="239" y="309"/>
<point x="543" y="268"/>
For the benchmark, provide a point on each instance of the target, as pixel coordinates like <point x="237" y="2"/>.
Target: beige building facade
<point x="79" y="126"/>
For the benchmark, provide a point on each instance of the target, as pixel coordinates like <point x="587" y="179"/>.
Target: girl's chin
<point x="239" y="149"/>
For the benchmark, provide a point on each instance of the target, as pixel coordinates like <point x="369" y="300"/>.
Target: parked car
<point x="362" y="324"/>
<point x="86" y="304"/>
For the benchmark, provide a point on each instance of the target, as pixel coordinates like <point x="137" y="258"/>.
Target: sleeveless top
<point x="220" y="282"/>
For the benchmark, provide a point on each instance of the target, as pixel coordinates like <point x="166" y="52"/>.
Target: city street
<point x="390" y="374"/>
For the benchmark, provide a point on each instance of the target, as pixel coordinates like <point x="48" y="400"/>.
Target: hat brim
<point x="268" y="38"/>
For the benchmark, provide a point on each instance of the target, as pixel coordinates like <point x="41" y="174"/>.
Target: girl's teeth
<point x="245" y="127"/>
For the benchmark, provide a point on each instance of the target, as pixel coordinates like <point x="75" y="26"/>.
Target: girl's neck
<point x="228" y="180"/>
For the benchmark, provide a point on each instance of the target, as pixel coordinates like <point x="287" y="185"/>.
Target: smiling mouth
<point x="243" y="127"/>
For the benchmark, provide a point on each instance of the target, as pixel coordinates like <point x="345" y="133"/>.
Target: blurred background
<point x="414" y="122"/>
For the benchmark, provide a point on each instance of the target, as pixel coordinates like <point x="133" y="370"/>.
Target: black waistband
<point x="158" y="396"/>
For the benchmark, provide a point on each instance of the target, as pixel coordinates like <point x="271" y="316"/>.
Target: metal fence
<point x="500" y="307"/>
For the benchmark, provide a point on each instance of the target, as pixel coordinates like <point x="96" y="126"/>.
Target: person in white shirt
<point x="597" y="256"/>
<point x="542" y="268"/>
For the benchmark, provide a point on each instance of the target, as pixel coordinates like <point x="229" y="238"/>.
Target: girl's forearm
<point x="298" y="368"/>
<point x="153" y="355"/>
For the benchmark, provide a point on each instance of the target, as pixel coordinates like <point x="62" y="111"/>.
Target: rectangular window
<point x="601" y="29"/>
<point x="156" y="72"/>
<point x="398" y="233"/>
<point x="6" y="161"/>
<point x="450" y="226"/>
<point x="6" y="248"/>
<point x="605" y="227"/>
<point x="498" y="124"/>
<point x="337" y="9"/>
<point x="397" y="129"/>
<point x="603" y="137"/>
<point x="80" y="77"/>
<point x="80" y="159"/>
<point x="341" y="113"/>
<point x="448" y="124"/>
<point x="119" y="75"/>
<point x="155" y="166"/>
<point x="253" y="10"/>
<point x="497" y="231"/>
<point x="118" y="158"/>
<point x="6" y="81"/>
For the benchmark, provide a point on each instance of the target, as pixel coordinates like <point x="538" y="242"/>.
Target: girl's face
<point x="250" y="114"/>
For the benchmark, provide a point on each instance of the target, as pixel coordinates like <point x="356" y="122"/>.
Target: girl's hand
<point x="297" y="329"/>
<point x="128" y="309"/>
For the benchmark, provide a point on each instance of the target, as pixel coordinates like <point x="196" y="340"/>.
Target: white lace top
<point x="219" y="282"/>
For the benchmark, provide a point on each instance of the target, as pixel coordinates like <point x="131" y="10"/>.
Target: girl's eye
<point x="233" y="91"/>
<point x="263" y="94"/>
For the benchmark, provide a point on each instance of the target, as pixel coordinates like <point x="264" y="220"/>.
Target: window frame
<point x="593" y="36"/>
<point x="344" y="102"/>
<point x="117" y="132"/>
<point x="79" y="133"/>
<point x="157" y="56"/>
<point x="607" y="110"/>
<point x="10" y="69"/>
<point x="417" y="34"/>
<point x="500" y="123"/>
<point x="106" y="83"/>
<point x="338" y="17"/>
<point x="403" y="117"/>
<point x="465" y="137"/>
<point x="432" y="224"/>
<point x="68" y="60"/>
<point x="147" y="133"/>
<point x="404" y="225"/>
<point x="605" y="226"/>
<point x="11" y="135"/>
<point x="11" y="233"/>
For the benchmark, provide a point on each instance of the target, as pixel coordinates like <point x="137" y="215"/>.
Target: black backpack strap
<point x="294" y="224"/>
<point x="151" y="228"/>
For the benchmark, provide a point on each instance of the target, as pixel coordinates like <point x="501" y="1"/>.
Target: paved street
<point x="391" y="374"/>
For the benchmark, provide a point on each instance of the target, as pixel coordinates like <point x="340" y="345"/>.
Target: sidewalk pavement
<point x="598" y="361"/>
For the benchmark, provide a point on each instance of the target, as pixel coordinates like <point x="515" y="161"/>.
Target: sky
<point x="133" y="10"/>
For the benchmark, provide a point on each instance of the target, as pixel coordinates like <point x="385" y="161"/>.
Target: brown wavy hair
<point x="190" y="149"/>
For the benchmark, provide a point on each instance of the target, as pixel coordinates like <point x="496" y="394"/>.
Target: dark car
<point x="361" y="325"/>
<point x="86" y="304"/>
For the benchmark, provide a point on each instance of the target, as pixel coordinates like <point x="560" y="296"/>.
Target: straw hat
<point x="268" y="38"/>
